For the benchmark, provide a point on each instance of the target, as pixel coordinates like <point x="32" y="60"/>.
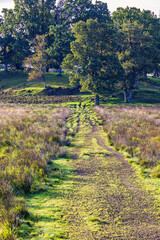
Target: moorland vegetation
<point x="30" y="137"/>
<point x="134" y="130"/>
<point x="105" y="56"/>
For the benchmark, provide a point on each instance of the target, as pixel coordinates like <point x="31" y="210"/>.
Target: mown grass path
<point x="108" y="201"/>
<point x="104" y="198"/>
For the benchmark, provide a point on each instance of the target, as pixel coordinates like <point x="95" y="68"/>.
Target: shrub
<point x="156" y="172"/>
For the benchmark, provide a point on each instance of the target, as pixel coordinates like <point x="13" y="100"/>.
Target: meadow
<point x="30" y="137"/>
<point x="47" y="143"/>
<point x="136" y="131"/>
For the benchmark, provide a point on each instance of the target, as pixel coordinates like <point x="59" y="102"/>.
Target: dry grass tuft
<point x="136" y="130"/>
<point x="29" y="138"/>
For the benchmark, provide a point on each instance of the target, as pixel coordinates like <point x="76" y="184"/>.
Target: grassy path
<point x="101" y="199"/>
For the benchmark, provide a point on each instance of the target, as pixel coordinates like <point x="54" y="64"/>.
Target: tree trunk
<point x="130" y="96"/>
<point x="60" y="71"/>
<point x="145" y="75"/>
<point x="6" y="61"/>
<point x="18" y="66"/>
<point x="43" y="77"/>
<point x="96" y="99"/>
<point x="6" y="67"/>
<point x="136" y="82"/>
<point x="125" y="95"/>
<point x="156" y="74"/>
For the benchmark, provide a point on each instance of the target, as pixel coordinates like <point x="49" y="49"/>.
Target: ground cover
<point x="98" y="195"/>
<point x="17" y="81"/>
<point x="30" y="137"/>
<point x="9" y="98"/>
<point x="14" y="88"/>
<point x="154" y="81"/>
<point x="73" y="191"/>
<point x="135" y="130"/>
<point x="110" y="202"/>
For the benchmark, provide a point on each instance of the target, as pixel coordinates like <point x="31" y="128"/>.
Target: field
<point x="70" y="170"/>
<point x="135" y="130"/>
<point x="30" y="137"/>
<point x="14" y="88"/>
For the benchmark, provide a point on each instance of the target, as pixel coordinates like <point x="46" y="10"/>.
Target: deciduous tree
<point x="35" y="15"/>
<point x="139" y="47"/>
<point x="6" y="40"/>
<point x="135" y="55"/>
<point x="93" y="63"/>
<point x="60" y="46"/>
<point x="37" y="62"/>
<point x="13" y="40"/>
<point x="82" y="10"/>
<point x="61" y="36"/>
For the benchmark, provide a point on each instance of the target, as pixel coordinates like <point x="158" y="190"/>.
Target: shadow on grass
<point x="147" y="97"/>
<point x="140" y="96"/>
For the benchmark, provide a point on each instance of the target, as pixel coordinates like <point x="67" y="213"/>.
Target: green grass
<point x="54" y="80"/>
<point x="86" y="197"/>
<point x="30" y="137"/>
<point x="15" y="84"/>
<point x="49" y="215"/>
<point x="17" y="81"/>
<point x="47" y="218"/>
<point x="146" y="93"/>
<point x="154" y="80"/>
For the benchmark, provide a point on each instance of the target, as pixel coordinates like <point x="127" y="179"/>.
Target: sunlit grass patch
<point x="30" y="137"/>
<point x="48" y="206"/>
<point x="18" y="80"/>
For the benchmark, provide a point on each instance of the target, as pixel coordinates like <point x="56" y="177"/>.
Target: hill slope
<point x="15" y="88"/>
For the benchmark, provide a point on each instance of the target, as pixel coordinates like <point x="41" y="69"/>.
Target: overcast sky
<point x="153" y="5"/>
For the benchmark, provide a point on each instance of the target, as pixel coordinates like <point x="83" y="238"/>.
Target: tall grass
<point x="29" y="138"/>
<point x="135" y="130"/>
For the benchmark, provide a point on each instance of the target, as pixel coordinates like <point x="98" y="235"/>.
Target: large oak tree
<point x="93" y="63"/>
<point x="139" y="45"/>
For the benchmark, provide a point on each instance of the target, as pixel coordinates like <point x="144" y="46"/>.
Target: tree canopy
<point x="99" y="50"/>
<point x="93" y="63"/>
<point x="138" y="50"/>
<point x="35" y="15"/>
<point x="37" y="62"/>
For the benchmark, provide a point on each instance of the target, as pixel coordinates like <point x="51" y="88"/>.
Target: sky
<point x="153" y="5"/>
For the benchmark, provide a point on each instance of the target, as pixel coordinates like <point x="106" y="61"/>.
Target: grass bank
<point x="15" y="83"/>
<point x="14" y="88"/>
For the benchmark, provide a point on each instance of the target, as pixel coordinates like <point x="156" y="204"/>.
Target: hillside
<point x="73" y="171"/>
<point x="15" y="88"/>
<point x="17" y="81"/>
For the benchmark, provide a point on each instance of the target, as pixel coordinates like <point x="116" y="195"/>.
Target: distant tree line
<point x="101" y="52"/>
